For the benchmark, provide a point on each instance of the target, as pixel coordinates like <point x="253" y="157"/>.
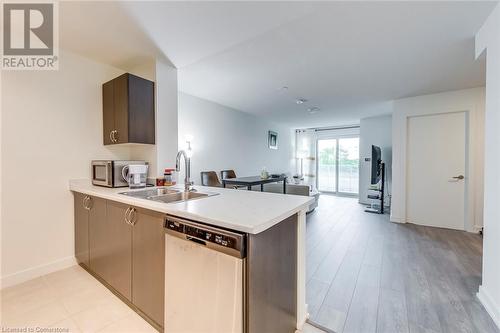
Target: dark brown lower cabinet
<point x="148" y="258"/>
<point x="271" y="279"/>
<point x="114" y="249"/>
<point x="89" y="211"/>
<point x="81" y="229"/>
<point x="125" y="247"/>
<point x="99" y="233"/>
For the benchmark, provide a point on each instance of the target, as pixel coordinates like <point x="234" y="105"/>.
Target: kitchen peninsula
<point x="120" y="239"/>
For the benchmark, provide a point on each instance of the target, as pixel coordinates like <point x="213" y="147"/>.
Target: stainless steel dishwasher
<point x="204" y="278"/>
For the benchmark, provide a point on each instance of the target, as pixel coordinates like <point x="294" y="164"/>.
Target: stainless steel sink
<point x="153" y="192"/>
<point x="167" y="195"/>
<point x="182" y="196"/>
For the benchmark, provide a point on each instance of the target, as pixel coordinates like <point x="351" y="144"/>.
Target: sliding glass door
<point x="348" y="178"/>
<point x="338" y="165"/>
<point x="327" y="165"/>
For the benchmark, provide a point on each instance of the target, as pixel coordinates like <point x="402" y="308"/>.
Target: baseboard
<point x="302" y="321"/>
<point x="477" y="228"/>
<point x="397" y="219"/>
<point x="34" y="272"/>
<point x="320" y="327"/>
<point x="489" y="304"/>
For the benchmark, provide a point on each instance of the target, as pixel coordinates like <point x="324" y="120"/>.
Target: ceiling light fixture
<point x="282" y="90"/>
<point x="300" y="101"/>
<point x="313" y="110"/>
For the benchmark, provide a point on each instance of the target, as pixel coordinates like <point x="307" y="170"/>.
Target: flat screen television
<point x="376" y="161"/>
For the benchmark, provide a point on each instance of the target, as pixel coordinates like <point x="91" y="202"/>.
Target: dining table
<point x="255" y="180"/>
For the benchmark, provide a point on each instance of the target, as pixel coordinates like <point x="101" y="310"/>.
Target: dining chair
<point x="209" y="178"/>
<point x="225" y="174"/>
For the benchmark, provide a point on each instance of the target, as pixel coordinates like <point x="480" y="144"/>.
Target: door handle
<point x="460" y="177"/>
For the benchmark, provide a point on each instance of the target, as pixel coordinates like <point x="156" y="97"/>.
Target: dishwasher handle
<point x="196" y="240"/>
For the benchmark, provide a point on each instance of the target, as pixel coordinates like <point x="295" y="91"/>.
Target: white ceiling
<point x="350" y="59"/>
<point x="105" y="32"/>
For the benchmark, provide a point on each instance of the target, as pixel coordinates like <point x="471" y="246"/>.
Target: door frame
<point x="335" y="137"/>
<point x="466" y="169"/>
<point x="469" y="100"/>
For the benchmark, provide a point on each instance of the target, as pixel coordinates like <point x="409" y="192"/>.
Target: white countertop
<point x="246" y="211"/>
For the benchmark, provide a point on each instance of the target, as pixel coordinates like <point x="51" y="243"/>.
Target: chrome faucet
<point x="187" y="161"/>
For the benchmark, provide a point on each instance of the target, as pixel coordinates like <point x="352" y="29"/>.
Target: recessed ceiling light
<point x="282" y="90"/>
<point x="313" y="110"/>
<point x="301" y="101"/>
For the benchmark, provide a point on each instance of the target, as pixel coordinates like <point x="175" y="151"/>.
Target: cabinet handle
<point x="90" y="203"/>
<point x="133" y="218"/>
<point x="112" y="136"/>
<point x="127" y="219"/>
<point x="86" y="199"/>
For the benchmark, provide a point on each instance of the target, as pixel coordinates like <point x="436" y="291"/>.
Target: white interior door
<point x="436" y="153"/>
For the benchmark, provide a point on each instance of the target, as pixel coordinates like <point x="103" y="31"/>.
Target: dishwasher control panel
<point x="206" y="235"/>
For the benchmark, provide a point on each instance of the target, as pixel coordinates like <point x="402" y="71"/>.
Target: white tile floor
<point x="70" y="299"/>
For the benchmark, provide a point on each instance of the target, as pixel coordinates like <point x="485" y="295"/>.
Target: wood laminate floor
<point x="366" y="274"/>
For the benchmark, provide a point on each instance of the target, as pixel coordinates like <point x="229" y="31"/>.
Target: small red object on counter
<point x="160" y="181"/>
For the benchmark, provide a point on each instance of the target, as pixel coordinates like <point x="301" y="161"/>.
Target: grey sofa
<point x="292" y="189"/>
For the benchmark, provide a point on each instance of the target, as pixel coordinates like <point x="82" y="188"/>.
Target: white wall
<point x="166" y="115"/>
<point x="469" y="100"/>
<point x="374" y="131"/>
<point x="488" y="38"/>
<point x="162" y="154"/>
<point x="225" y="138"/>
<point x="51" y="130"/>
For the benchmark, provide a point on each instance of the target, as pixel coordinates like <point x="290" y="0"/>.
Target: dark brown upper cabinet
<point x="128" y="110"/>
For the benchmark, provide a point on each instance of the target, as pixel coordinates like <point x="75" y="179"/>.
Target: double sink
<point x="167" y="195"/>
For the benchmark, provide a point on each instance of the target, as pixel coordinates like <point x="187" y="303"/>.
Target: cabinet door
<point x="81" y="229"/>
<point x="148" y="257"/>
<point x="108" y="113"/>
<point x="141" y="110"/>
<point x="98" y="234"/>
<point x="271" y="278"/>
<point x="120" y="100"/>
<point x="115" y="242"/>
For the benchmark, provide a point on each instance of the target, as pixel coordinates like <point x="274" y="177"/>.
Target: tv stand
<point x="380" y="193"/>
